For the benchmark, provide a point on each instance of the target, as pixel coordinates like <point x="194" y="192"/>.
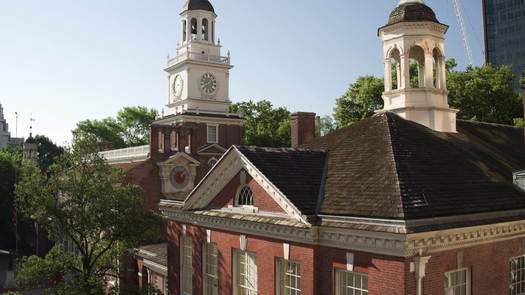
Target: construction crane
<point x="466" y="41"/>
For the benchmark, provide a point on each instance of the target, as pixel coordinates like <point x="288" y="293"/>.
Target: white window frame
<point x="287" y="282"/>
<point x="185" y="240"/>
<point x="516" y="265"/>
<point x="210" y="277"/>
<point x="450" y="287"/>
<point x="238" y="197"/>
<point x="237" y="281"/>
<point x="216" y="126"/>
<point x="338" y="283"/>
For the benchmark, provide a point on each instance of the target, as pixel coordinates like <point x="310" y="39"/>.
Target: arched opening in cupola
<point x="439" y="68"/>
<point x="416" y="58"/>
<point x="194" y="31"/>
<point x="205" y="30"/>
<point x="394" y="60"/>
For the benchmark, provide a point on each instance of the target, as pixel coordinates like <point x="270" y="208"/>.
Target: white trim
<point x="243" y="242"/>
<point x="286" y="251"/>
<point x="448" y="279"/>
<point x="350" y="261"/>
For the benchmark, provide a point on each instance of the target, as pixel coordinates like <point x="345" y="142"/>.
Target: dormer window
<point x="245" y="197"/>
<point x="213" y="133"/>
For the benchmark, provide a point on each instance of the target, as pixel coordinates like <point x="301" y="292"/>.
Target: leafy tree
<point x="83" y="200"/>
<point x="360" y="101"/>
<point x="326" y="125"/>
<point x="47" y="152"/>
<point x="9" y="162"/>
<point x="131" y="127"/>
<point x="264" y="125"/>
<point x="485" y="94"/>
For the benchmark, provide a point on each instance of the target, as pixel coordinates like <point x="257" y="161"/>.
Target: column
<point x="199" y="29"/>
<point x="429" y="71"/>
<point x="442" y="73"/>
<point x="405" y="72"/>
<point x="188" y="30"/>
<point x="388" y="75"/>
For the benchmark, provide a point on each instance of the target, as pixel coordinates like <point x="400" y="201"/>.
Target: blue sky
<point x="63" y="61"/>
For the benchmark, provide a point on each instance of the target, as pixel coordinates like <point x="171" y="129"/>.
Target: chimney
<point x="303" y="128"/>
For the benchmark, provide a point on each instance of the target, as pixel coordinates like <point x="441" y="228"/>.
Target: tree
<point x="47" y="152"/>
<point x="485" y="94"/>
<point x="326" y="125"/>
<point x="131" y="127"/>
<point x="263" y="124"/>
<point x="9" y="162"/>
<point x="363" y="97"/>
<point x="83" y="200"/>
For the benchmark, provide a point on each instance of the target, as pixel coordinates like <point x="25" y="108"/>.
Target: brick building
<point x="410" y="201"/>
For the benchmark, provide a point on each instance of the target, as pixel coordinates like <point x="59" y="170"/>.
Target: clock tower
<point x="197" y="127"/>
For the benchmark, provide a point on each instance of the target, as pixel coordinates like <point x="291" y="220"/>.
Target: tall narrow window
<point x="205" y="30"/>
<point x="288" y="280"/>
<point x="194" y="32"/>
<point x="350" y="283"/>
<point x="186" y="265"/>
<point x="213" y="133"/>
<point x="245" y="273"/>
<point x="184" y="31"/>
<point x="161" y="141"/>
<point x="187" y="149"/>
<point x="457" y="282"/>
<point x="174" y="141"/>
<point x="211" y="276"/>
<point x="517" y="275"/>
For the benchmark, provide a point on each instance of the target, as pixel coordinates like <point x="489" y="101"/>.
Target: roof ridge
<point x="388" y="118"/>
<point x="279" y="149"/>
<point x="489" y="123"/>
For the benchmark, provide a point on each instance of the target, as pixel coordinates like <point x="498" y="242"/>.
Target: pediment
<point x="211" y="149"/>
<point x="221" y="175"/>
<point x="179" y="158"/>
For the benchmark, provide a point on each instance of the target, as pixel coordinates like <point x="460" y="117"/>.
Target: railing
<point x="128" y="154"/>
<point x="200" y="57"/>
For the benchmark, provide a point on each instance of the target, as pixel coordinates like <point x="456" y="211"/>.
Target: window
<point x="186" y="265"/>
<point x="212" y="162"/>
<point x="174" y="141"/>
<point x="205" y="30"/>
<point x="213" y="133"/>
<point x="457" y="282"/>
<point x="517" y="275"/>
<point x="161" y="141"/>
<point x="211" y="277"/>
<point x="193" y="29"/>
<point x="288" y="277"/>
<point x="245" y="197"/>
<point x="351" y="283"/>
<point x="245" y="280"/>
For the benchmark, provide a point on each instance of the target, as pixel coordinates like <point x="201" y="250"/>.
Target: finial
<point x="229" y="53"/>
<point x="219" y="41"/>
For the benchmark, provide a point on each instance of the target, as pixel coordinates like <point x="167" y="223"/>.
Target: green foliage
<point x="360" y="101"/>
<point x="47" y="152"/>
<point x="485" y="94"/>
<point x="83" y="200"/>
<point x="9" y="163"/>
<point x="131" y="127"/>
<point x="326" y="125"/>
<point x="264" y="125"/>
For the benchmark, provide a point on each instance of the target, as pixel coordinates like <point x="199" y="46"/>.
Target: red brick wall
<point x="147" y="177"/>
<point x="261" y="199"/>
<point x="489" y="265"/>
<point x="303" y="128"/>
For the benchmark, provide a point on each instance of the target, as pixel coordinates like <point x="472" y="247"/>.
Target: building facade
<point x="504" y="24"/>
<point x="5" y="136"/>
<point x="411" y="201"/>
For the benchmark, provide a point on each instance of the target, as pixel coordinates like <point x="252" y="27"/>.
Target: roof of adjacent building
<point x="388" y="167"/>
<point x="157" y="253"/>
<point x="198" y="5"/>
<point x="412" y="12"/>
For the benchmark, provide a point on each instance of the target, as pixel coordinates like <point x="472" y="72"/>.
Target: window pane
<point x="351" y="283"/>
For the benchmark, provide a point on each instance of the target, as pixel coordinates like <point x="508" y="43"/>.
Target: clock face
<point x="178" y="85"/>
<point x="180" y="177"/>
<point x="208" y="84"/>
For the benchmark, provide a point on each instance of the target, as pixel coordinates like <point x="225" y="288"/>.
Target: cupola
<point x="198" y="5"/>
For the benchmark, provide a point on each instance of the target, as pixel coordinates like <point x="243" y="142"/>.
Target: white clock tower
<point x="198" y="75"/>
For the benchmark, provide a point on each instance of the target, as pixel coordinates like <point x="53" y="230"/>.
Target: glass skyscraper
<point x="505" y="33"/>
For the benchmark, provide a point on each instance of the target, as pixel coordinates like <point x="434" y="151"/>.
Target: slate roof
<point x="297" y="173"/>
<point x="388" y="167"/>
<point x="198" y="5"/>
<point x="157" y="253"/>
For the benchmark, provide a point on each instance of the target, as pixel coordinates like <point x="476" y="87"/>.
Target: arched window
<point x="417" y="67"/>
<point x="245" y="197"/>
<point x="212" y="162"/>
<point x="184" y="31"/>
<point x="438" y="68"/>
<point x="194" y="32"/>
<point x="395" y="64"/>
<point x="205" y="30"/>
<point x="174" y="141"/>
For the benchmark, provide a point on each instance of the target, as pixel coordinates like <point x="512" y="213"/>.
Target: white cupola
<point x="413" y="35"/>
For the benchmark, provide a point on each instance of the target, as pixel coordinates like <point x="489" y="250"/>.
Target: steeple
<point x="413" y="35"/>
<point x="30" y="150"/>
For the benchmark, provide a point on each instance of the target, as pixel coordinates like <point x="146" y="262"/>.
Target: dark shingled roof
<point x="296" y="173"/>
<point x="388" y="167"/>
<point x="412" y="12"/>
<point x="30" y="139"/>
<point x="198" y="5"/>
<point x="157" y="253"/>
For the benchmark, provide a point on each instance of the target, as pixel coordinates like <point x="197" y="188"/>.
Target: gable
<point x="211" y="149"/>
<point x="226" y="198"/>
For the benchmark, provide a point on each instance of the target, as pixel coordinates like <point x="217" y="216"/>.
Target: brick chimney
<point x="303" y="128"/>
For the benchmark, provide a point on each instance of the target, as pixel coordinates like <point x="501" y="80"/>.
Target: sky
<point x="64" y="61"/>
